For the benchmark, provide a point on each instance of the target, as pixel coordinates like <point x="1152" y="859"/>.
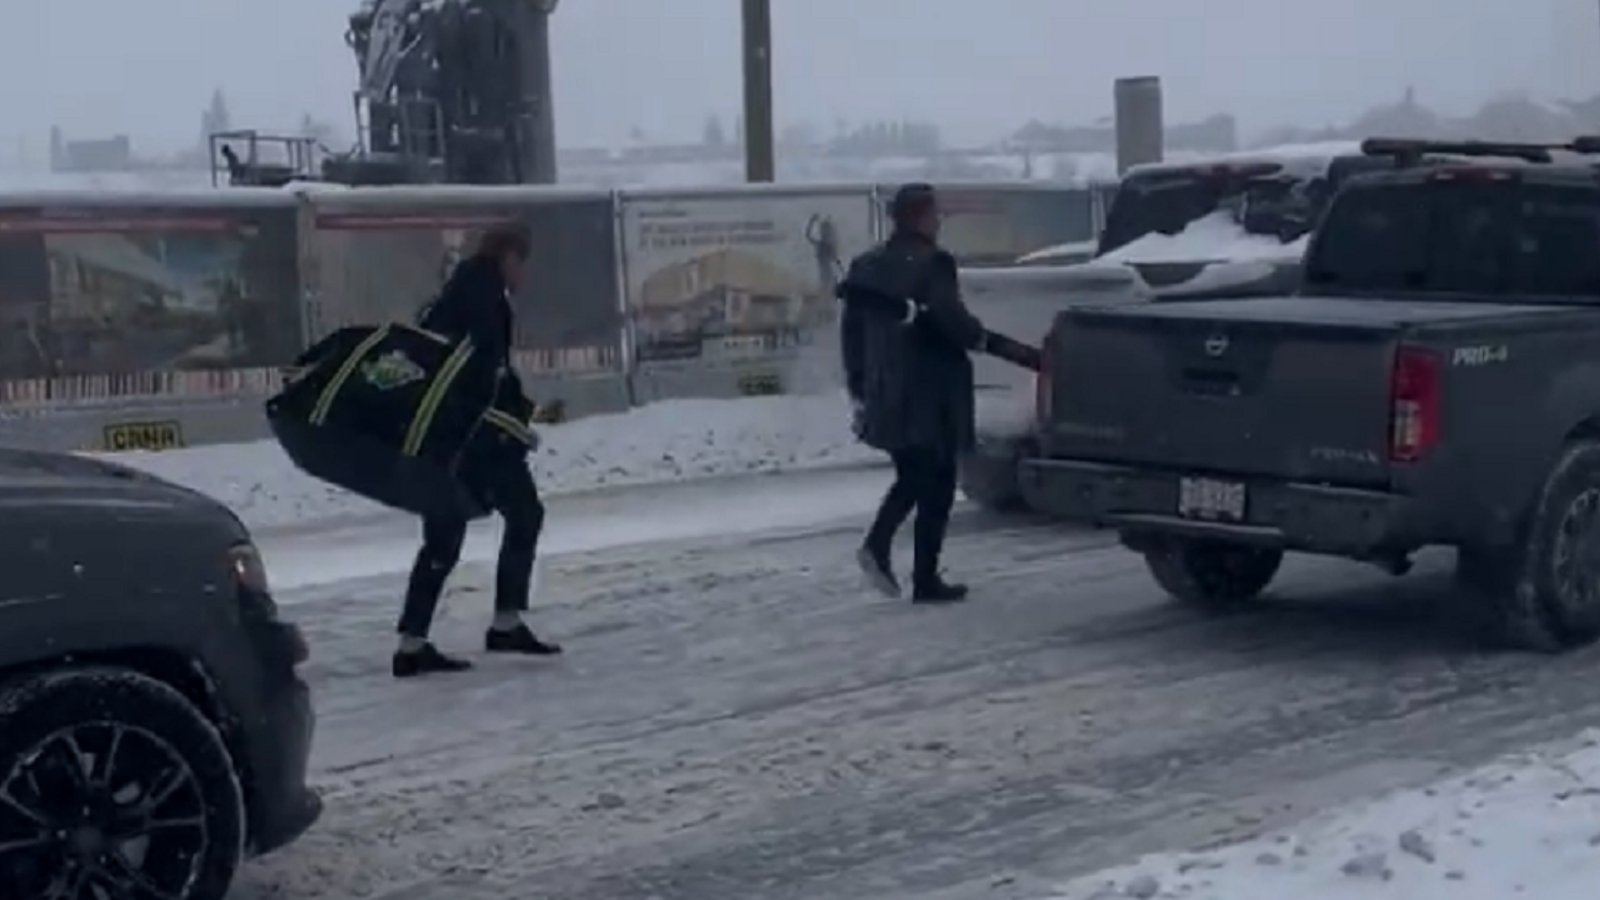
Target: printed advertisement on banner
<point x="377" y="265"/>
<point x="737" y="276"/>
<point x="998" y="226"/>
<point x="89" y="291"/>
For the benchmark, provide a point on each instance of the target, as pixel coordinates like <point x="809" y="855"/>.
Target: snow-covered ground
<point x="582" y="523"/>
<point x="740" y="718"/>
<point x="739" y="713"/>
<point x="1528" y="826"/>
<point x="672" y="440"/>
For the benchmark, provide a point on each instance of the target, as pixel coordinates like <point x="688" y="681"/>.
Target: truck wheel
<point x="114" y="785"/>
<point x="989" y="479"/>
<point x="1545" y="595"/>
<point x="1212" y="575"/>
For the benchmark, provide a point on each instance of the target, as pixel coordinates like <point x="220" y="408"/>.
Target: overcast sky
<point x="979" y="67"/>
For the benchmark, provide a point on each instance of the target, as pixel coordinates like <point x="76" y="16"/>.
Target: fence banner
<point x="989" y="225"/>
<point x="735" y="277"/>
<point x="96" y="294"/>
<point x="383" y="255"/>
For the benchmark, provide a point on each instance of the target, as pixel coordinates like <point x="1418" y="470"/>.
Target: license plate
<point x="1208" y="498"/>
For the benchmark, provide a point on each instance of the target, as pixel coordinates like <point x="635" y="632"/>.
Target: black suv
<point x="153" y="728"/>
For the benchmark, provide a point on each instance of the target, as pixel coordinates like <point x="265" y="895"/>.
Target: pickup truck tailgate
<point x="1292" y="387"/>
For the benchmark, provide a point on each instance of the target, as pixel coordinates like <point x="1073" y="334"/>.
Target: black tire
<point x="1215" y="576"/>
<point x="167" y="805"/>
<point x="989" y="479"/>
<point x="1544" y="595"/>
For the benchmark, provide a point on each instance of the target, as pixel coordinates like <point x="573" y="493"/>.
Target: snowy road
<point x="738" y="719"/>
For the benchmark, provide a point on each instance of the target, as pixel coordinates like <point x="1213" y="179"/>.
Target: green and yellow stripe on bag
<point x="429" y="407"/>
<point x="319" y="412"/>
<point x="510" y="424"/>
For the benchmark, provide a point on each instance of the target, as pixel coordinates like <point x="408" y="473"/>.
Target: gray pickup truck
<point x="1435" y="381"/>
<point x="1230" y="225"/>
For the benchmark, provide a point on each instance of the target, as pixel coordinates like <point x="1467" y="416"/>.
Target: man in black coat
<point x="906" y="339"/>
<point x="475" y="304"/>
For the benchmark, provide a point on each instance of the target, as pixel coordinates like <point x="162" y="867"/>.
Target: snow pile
<point x="1213" y="237"/>
<point x="1528" y="826"/>
<point x="668" y="441"/>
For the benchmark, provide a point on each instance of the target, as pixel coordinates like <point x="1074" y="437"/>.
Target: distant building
<point x="1215" y="134"/>
<point x="112" y="154"/>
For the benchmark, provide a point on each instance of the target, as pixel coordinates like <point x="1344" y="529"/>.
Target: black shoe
<point x="936" y="590"/>
<point x="424" y="660"/>
<point x="520" y="639"/>
<point x="879" y="573"/>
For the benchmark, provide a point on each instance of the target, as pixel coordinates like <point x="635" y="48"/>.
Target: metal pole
<point x="1139" y="121"/>
<point x="760" y="156"/>
<point x="539" y="153"/>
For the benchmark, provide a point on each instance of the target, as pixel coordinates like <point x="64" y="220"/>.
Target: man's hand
<point x="858" y="416"/>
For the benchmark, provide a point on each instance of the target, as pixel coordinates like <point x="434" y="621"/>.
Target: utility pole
<point x="1140" y="121"/>
<point x="532" y="18"/>
<point x="760" y="156"/>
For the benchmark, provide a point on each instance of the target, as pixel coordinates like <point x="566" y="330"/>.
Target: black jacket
<point x="906" y="337"/>
<point x="475" y="303"/>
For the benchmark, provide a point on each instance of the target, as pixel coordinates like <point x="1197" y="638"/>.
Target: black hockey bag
<point x="388" y="412"/>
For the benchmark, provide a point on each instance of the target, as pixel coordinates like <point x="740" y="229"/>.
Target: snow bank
<point x="1528" y="826"/>
<point x="668" y="441"/>
<point x="1216" y="236"/>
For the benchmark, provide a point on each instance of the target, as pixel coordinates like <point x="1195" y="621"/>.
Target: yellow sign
<point x="166" y="435"/>
<point x="760" y="384"/>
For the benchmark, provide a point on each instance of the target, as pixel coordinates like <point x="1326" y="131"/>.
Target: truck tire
<point x="989" y="478"/>
<point x="113" y="777"/>
<point x="1216" y="576"/>
<point x="1544" y="595"/>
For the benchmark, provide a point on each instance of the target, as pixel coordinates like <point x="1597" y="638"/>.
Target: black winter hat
<point x="911" y="202"/>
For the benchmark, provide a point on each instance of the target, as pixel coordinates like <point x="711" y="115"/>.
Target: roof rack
<point x="1408" y="151"/>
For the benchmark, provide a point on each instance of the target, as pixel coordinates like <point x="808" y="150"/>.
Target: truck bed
<point x="1295" y="387"/>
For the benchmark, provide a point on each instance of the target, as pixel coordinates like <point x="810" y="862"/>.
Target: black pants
<point x="510" y="489"/>
<point x="924" y="480"/>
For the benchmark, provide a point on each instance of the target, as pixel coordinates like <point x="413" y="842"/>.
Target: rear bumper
<point x="1291" y="516"/>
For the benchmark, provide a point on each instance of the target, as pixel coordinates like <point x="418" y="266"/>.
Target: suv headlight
<point x="250" y="576"/>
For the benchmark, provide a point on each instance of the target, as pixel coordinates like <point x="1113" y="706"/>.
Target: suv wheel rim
<point x="102" y="810"/>
<point x="1576" y="557"/>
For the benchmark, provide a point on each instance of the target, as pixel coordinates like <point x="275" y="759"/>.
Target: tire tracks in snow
<point x="738" y="718"/>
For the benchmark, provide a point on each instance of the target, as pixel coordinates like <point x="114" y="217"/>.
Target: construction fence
<point x="156" y="321"/>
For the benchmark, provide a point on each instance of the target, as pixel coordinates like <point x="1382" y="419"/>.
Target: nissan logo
<point x="1216" y="345"/>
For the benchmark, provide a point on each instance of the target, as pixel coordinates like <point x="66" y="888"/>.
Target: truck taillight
<point x="1414" y="410"/>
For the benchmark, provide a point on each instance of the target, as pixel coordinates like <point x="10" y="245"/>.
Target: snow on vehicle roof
<point x="1213" y="237"/>
<point x="1059" y="251"/>
<point x="1299" y="160"/>
<point x="988" y="280"/>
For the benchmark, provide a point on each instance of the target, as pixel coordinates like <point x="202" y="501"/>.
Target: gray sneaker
<point x="880" y="575"/>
